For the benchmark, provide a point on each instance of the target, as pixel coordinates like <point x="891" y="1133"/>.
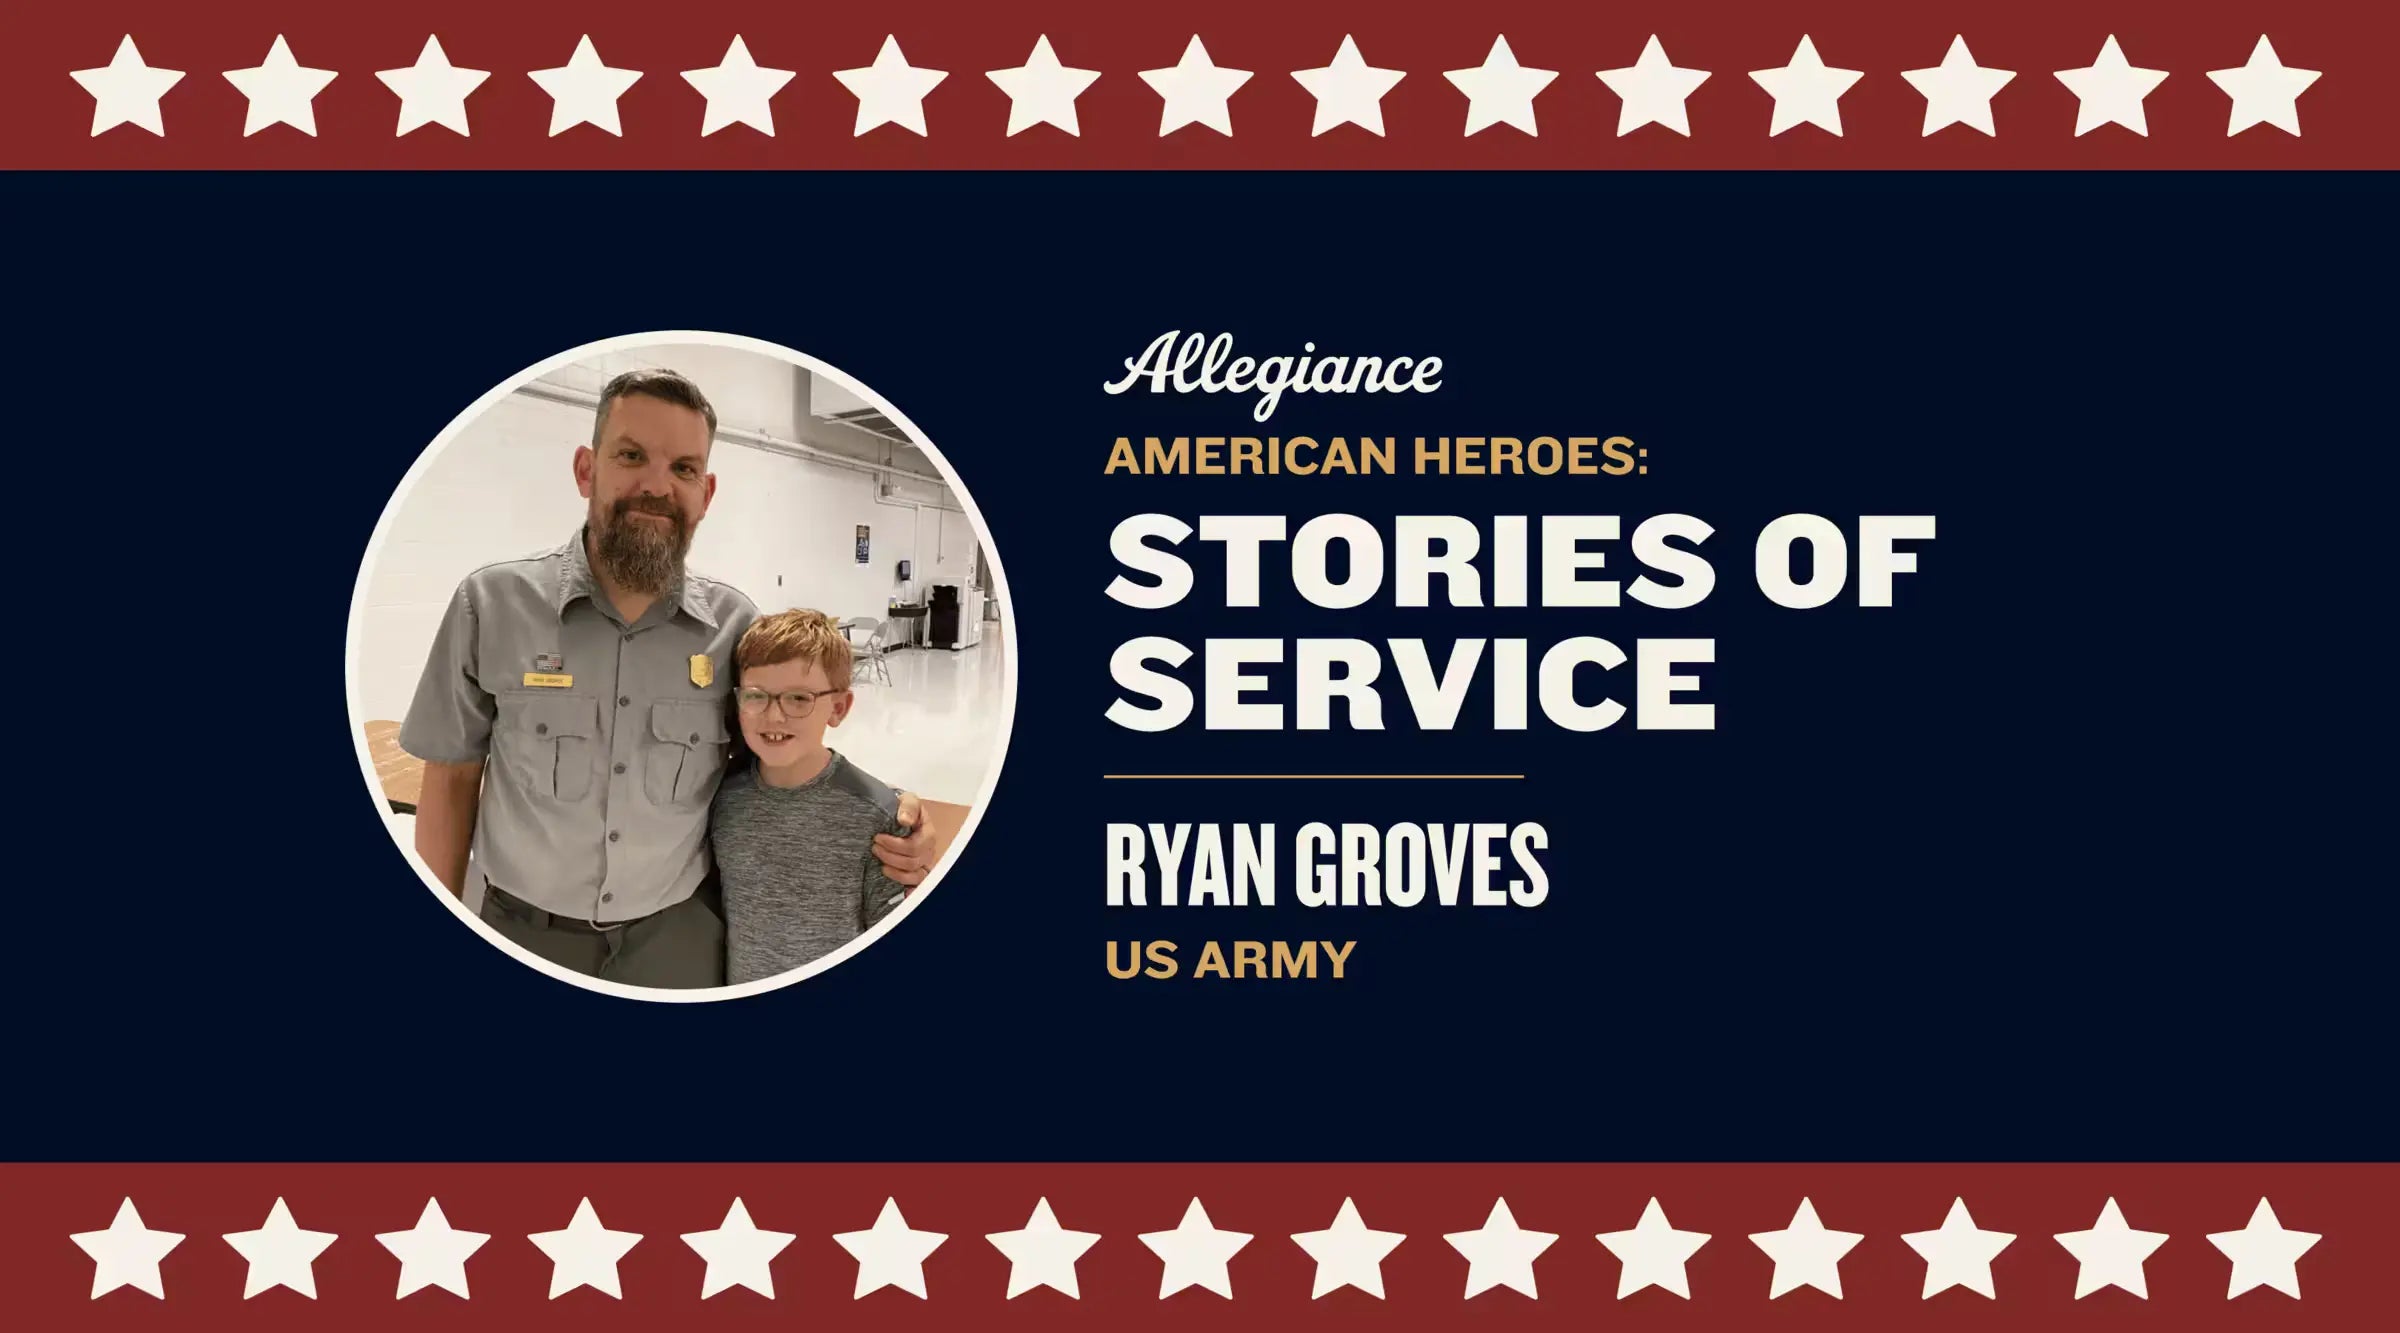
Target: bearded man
<point x="572" y="715"/>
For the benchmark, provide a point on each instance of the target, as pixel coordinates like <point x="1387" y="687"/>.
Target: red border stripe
<point x="2347" y="1279"/>
<point x="2347" y="117"/>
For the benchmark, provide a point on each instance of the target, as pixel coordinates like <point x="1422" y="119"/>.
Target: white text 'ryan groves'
<point x="1358" y="865"/>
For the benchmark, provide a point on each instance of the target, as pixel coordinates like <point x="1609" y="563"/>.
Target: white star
<point x="1806" y="1254"/>
<point x="281" y="91"/>
<point x="1653" y="1253"/>
<point x="1042" y="90"/>
<point x="127" y="1254"/>
<point x="2108" y="90"/>
<point x="1806" y="91"/>
<point x="584" y="91"/>
<point x="1196" y="1254"/>
<point x="889" y="1254"/>
<point x="1500" y="1253"/>
<point x="891" y="91"/>
<point x="432" y="1253"/>
<point x="2265" y="92"/>
<point x="1958" y="91"/>
<point x="1958" y="1254"/>
<point x="2264" y="1254"/>
<point x="433" y="91"/>
<point x="1652" y="90"/>
<point x="1348" y="1253"/>
<point x="1348" y="91"/>
<point x="125" y="91"/>
<point x="1500" y="91"/>
<point x="280" y="1254"/>
<point x="585" y="1254"/>
<point x="1195" y="90"/>
<point x="2110" y="1254"/>
<point x="738" y="90"/>
<point x="1042" y="1253"/>
<point x="738" y="1252"/>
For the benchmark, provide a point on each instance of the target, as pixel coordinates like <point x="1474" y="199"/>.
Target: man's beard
<point x="643" y="557"/>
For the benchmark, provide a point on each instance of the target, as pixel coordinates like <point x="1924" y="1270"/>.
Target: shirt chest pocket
<point x="547" y="742"/>
<point x="686" y="751"/>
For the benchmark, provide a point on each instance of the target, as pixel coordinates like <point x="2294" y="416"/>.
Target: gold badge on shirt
<point x="704" y="671"/>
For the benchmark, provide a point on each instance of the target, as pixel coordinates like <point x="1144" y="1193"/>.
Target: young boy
<point x="793" y="833"/>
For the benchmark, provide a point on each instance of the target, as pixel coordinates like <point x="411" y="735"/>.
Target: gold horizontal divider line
<point x="1313" y="777"/>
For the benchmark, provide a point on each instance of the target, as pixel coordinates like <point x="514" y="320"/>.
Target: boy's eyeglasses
<point x="795" y="703"/>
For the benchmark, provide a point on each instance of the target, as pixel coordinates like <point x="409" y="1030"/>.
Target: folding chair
<point x="879" y="643"/>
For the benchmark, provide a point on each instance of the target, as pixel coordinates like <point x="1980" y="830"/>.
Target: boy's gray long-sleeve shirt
<point x="798" y="865"/>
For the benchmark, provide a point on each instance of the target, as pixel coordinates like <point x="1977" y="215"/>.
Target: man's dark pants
<point x="675" y="948"/>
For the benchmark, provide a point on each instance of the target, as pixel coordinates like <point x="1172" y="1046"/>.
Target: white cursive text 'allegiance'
<point x="1200" y="364"/>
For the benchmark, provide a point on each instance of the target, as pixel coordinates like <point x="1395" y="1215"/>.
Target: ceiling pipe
<point x="755" y="439"/>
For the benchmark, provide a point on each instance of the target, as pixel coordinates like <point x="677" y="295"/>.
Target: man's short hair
<point x="797" y="636"/>
<point x="658" y="382"/>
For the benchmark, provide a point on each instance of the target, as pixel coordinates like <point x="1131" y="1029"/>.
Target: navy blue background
<point x="2075" y="853"/>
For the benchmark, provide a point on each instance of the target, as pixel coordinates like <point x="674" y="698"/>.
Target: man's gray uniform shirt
<point x="602" y="742"/>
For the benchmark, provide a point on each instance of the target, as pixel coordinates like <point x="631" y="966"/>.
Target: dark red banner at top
<point x="1276" y="84"/>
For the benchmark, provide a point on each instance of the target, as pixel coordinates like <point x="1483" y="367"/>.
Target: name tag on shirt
<point x="547" y="680"/>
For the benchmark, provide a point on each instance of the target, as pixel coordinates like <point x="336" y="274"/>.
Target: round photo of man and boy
<point x="630" y="772"/>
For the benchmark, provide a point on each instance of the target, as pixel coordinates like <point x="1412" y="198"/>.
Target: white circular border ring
<point x="629" y="342"/>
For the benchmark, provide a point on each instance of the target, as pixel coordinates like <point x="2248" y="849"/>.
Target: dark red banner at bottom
<point x="2176" y="1248"/>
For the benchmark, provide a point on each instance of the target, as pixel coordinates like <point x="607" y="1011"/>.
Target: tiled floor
<point x="935" y="729"/>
